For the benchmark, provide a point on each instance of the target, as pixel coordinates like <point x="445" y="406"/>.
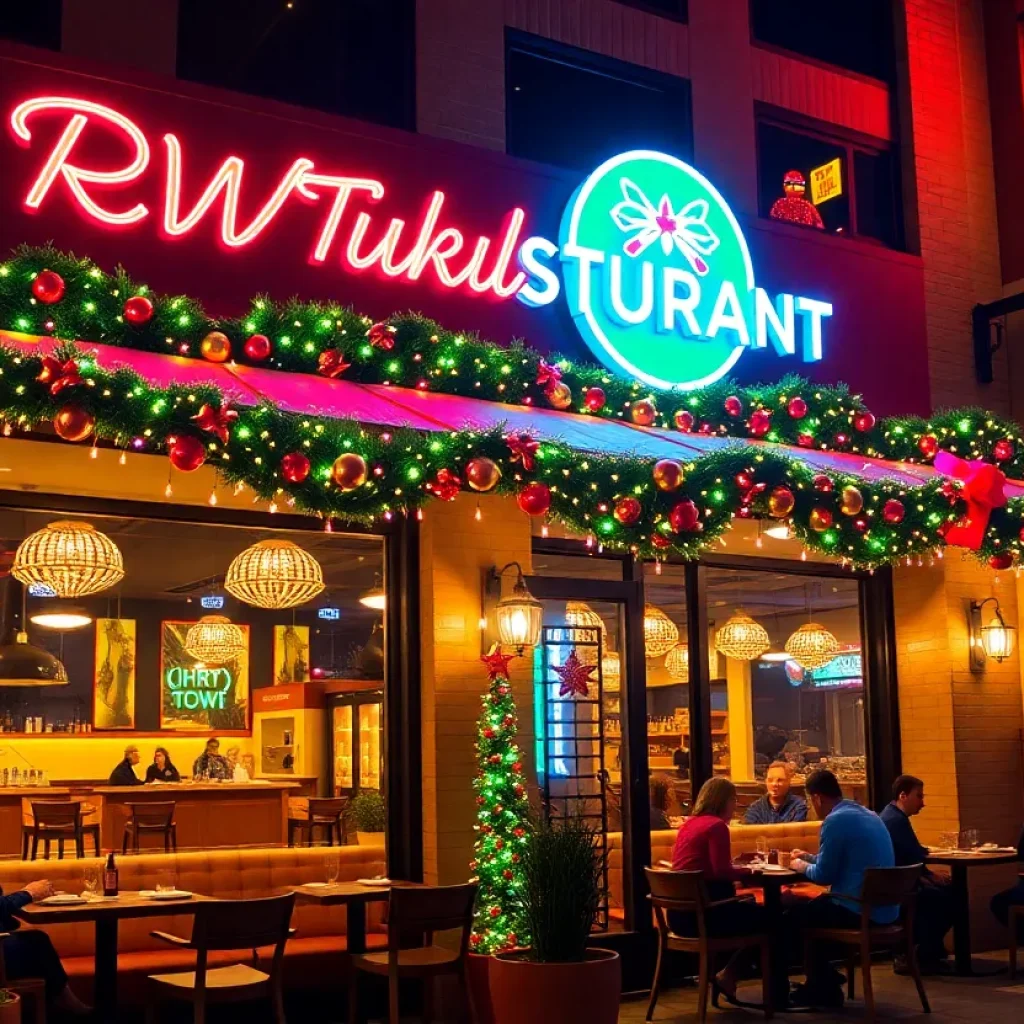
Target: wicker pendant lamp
<point x="611" y="671"/>
<point x="812" y="646"/>
<point x="677" y="662"/>
<point x="215" y="639"/>
<point x="71" y="558"/>
<point x="742" y="637"/>
<point x="660" y="632"/>
<point x="274" y="574"/>
<point x="580" y="615"/>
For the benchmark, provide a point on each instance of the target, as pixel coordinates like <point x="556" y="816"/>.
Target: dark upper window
<point x="574" y="109"/>
<point x="866" y="204"/>
<point x="853" y="34"/>
<point x="34" y="22"/>
<point x="353" y="58"/>
<point x="676" y="9"/>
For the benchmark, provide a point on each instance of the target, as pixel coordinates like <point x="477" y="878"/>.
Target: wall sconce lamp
<point x="996" y="640"/>
<point x="517" y="616"/>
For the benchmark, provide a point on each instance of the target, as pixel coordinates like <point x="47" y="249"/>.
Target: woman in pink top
<point x="703" y="844"/>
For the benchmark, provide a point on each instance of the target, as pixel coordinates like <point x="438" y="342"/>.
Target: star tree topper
<point x="575" y="676"/>
<point x="496" y="662"/>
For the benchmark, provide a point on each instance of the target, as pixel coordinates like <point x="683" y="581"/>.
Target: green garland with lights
<point x="612" y="500"/>
<point x="411" y="351"/>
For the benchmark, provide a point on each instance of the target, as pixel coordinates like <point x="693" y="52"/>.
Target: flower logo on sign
<point x="646" y="223"/>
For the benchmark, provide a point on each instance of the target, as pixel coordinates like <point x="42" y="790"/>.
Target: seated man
<point x="124" y="773"/>
<point x="1002" y="901"/>
<point x="30" y="954"/>
<point x="778" y="805"/>
<point x="852" y="840"/>
<point x="934" y="895"/>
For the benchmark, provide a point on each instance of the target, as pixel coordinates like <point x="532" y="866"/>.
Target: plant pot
<point x="478" y="978"/>
<point x="524" y="992"/>
<point x="10" y="1012"/>
<point x="369" y="838"/>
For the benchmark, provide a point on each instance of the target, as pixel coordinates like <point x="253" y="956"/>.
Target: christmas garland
<point x="338" y="468"/>
<point x="47" y="292"/>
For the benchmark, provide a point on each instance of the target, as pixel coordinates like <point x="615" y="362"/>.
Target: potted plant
<point x="10" y="1007"/>
<point x="559" y="977"/>
<point x="368" y="815"/>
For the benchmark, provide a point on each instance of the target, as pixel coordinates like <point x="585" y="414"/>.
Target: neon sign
<point x="194" y="689"/>
<point x="212" y="600"/>
<point x="653" y="264"/>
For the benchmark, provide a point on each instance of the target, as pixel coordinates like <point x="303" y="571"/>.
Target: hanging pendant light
<point x="677" y="662"/>
<point x="23" y="664"/>
<point x="812" y="646"/>
<point x="611" y="671"/>
<point x="274" y="574"/>
<point x="374" y="598"/>
<point x="660" y="633"/>
<point x="742" y="637"/>
<point x="215" y="639"/>
<point x="580" y="615"/>
<point x="71" y="558"/>
<point x="62" y="618"/>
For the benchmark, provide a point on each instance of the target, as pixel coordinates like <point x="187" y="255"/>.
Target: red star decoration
<point x="497" y="663"/>
<point x="575" y="676"/>
<point x="215" y="420"/>
<point x="59" y="375"/>
<point x="331" y="363"/>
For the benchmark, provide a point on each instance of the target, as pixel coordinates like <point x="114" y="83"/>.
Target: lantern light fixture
<point x="812" y="646"/>
<point x="997" y="640"/>
<point x="519" y="615"/>
<point x="677" y="662"/>
<point x="661" y="634"/>
<point x="69" y="557"/>
<point x="274" y="574"/>
<point x="214" y="640"/>
<point x="742" y="637"/>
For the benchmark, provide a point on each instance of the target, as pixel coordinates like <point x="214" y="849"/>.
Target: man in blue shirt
<point x="778" y="805"/>
<point x="934" y="915"/>
<point x="852" y="840"/>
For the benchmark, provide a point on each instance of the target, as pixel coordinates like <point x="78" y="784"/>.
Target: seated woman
<point x="703" y="844"/>
<point x="30" y="954"/>
<point x="659" y="803"/>
<point x="162" y="769"/>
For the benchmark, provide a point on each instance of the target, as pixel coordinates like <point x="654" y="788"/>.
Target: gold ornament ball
<point x="668" y="475"/>
<point x="819" y="520"/>
<point x="852" y="501"/>
<point x="560" y="396"/>
<point x="643" y="413"/>
<point x="349" y="471"/>
<point x="216" y="347"/>
<point x="482" y="474"/>
<point x="781" y="502"/>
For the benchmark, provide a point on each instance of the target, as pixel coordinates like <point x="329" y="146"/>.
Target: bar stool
<point x="327" y="813"/>
<point x="152" y="819"/>
<point x="60" y="820"/>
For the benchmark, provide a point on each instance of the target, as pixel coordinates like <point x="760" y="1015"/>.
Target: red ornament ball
<point x="660" y="541"/>
<point x="1021" y="534"/>
<point x="684" y="517"/>
<point x="643" y="413"/>
<point x="928" y="445"/>
<point x="349" y="471"/>
<point x="733" y="406"/>
<point x="1001" y="561"/>
<point x="187" y="453"/>
<point x="594" y="399"/>
<point x="781" y="502"/>
<point x="1002" y="450"/>
<point x="744" y="480"/>
<point x="864" y="421"/>
<point x="628" y="511"/>
<point x="820" y="519"/>
<point x="797" y="408"/>
<point x="823" y="483"/>
<point x="683" y="419"/>
<point x="482" y="474"/>
<point x="841" y="439"/>
<point x="488" y="733"/>
<point x="507" y="875"/>
<point x="257" y="347"/>
<point x="295" y="467"/>
<point x="138" y="310"/>
<point x="668" y="475"/>
<point x="805" y="440"/>
<point x="495" y="911"/>
<point x="48" y="287"/>
<point x="73" y="422"/>
<point x="760" y="422"/>
<point x="893" y="511"/>
<point x="860" y="524"/>
<point x="535" y="499"/>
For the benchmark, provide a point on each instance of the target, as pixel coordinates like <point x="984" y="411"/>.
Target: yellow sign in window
<point x="827" y="181"/>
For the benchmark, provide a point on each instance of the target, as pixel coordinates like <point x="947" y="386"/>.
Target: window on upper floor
<point x="855" y="34"/>
<point x="575" y="109"/>
<point x="35" y="23"/>
<point x="676" y="9"/>
<point x="354" y="58"/>
<point x="826" y="182"/>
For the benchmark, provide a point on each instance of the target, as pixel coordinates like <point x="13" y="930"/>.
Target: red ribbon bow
<point x="523" y="449"/>
<point x="215" y="421"/>
<point x="548" y="376"/>
<point x="982" y="487"/>
<point x="382" y="336"/>
<point x="59" y="375"/>
<point x="331" y="363"/>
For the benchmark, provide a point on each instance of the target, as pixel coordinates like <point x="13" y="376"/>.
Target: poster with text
<point x="198" y="694"/>
<point x="113" y="688"/>
<point x="291" y="654"/>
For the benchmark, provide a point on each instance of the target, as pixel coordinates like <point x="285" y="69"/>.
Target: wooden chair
<point x="228" y="925"/>
<point x="419" y="913"/>
<point x="150" y="819"/>
<point x="1016" y="924"/>
<point x="58" y="820"/>
<point x="326" y="813"/>
<point x="684" y="891"/>
<point x="33" y="987"/>
<point x="883" y="887"/>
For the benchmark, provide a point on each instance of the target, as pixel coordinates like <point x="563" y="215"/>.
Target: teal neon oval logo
<point x="658" y="277"/>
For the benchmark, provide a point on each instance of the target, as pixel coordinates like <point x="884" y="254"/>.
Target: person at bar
<point x="162" y="769"/>
<point x="30" y="954"/>
<point x="659" y="803"/>
<point x="210" y="764"/>
<point x="124" y="773"/>
<point x="934" y="894"/>
<point x="852" y="840"/>
<point x="1002" y="901"/>
<point x="778" y="805"/>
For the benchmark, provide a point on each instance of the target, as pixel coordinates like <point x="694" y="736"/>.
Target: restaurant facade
<point x="732" y="557"/>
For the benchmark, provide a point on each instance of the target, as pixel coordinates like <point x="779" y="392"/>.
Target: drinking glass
<point x="92" y="882"/>
<point x="762" y="848"/>
<point x="969" y="838"/>
<point x="332" y="866"/>
<point x="948" y="840"/>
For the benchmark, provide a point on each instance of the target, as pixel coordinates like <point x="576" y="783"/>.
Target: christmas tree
<point x="502" y="811"/>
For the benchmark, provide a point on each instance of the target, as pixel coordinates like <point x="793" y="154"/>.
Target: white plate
<point x="168" y="894"/>
<point x="374" y="881"/>
<point x="315" y="885"/>
<point x="64" y="899"/>
<point x="770" y="868"/>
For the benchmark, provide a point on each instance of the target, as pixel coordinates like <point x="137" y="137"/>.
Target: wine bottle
<point x="110" y="876"/>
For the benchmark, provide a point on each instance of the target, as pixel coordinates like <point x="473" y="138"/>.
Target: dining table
<point x="105" y="912"/>
<point x="960" y="863"/>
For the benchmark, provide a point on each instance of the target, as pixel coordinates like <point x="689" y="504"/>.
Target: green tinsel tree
<point x="502" y="811"/>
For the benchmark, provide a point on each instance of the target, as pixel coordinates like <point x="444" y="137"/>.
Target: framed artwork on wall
<point x="113" y="688"/>
<point x="291" y="654"/>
